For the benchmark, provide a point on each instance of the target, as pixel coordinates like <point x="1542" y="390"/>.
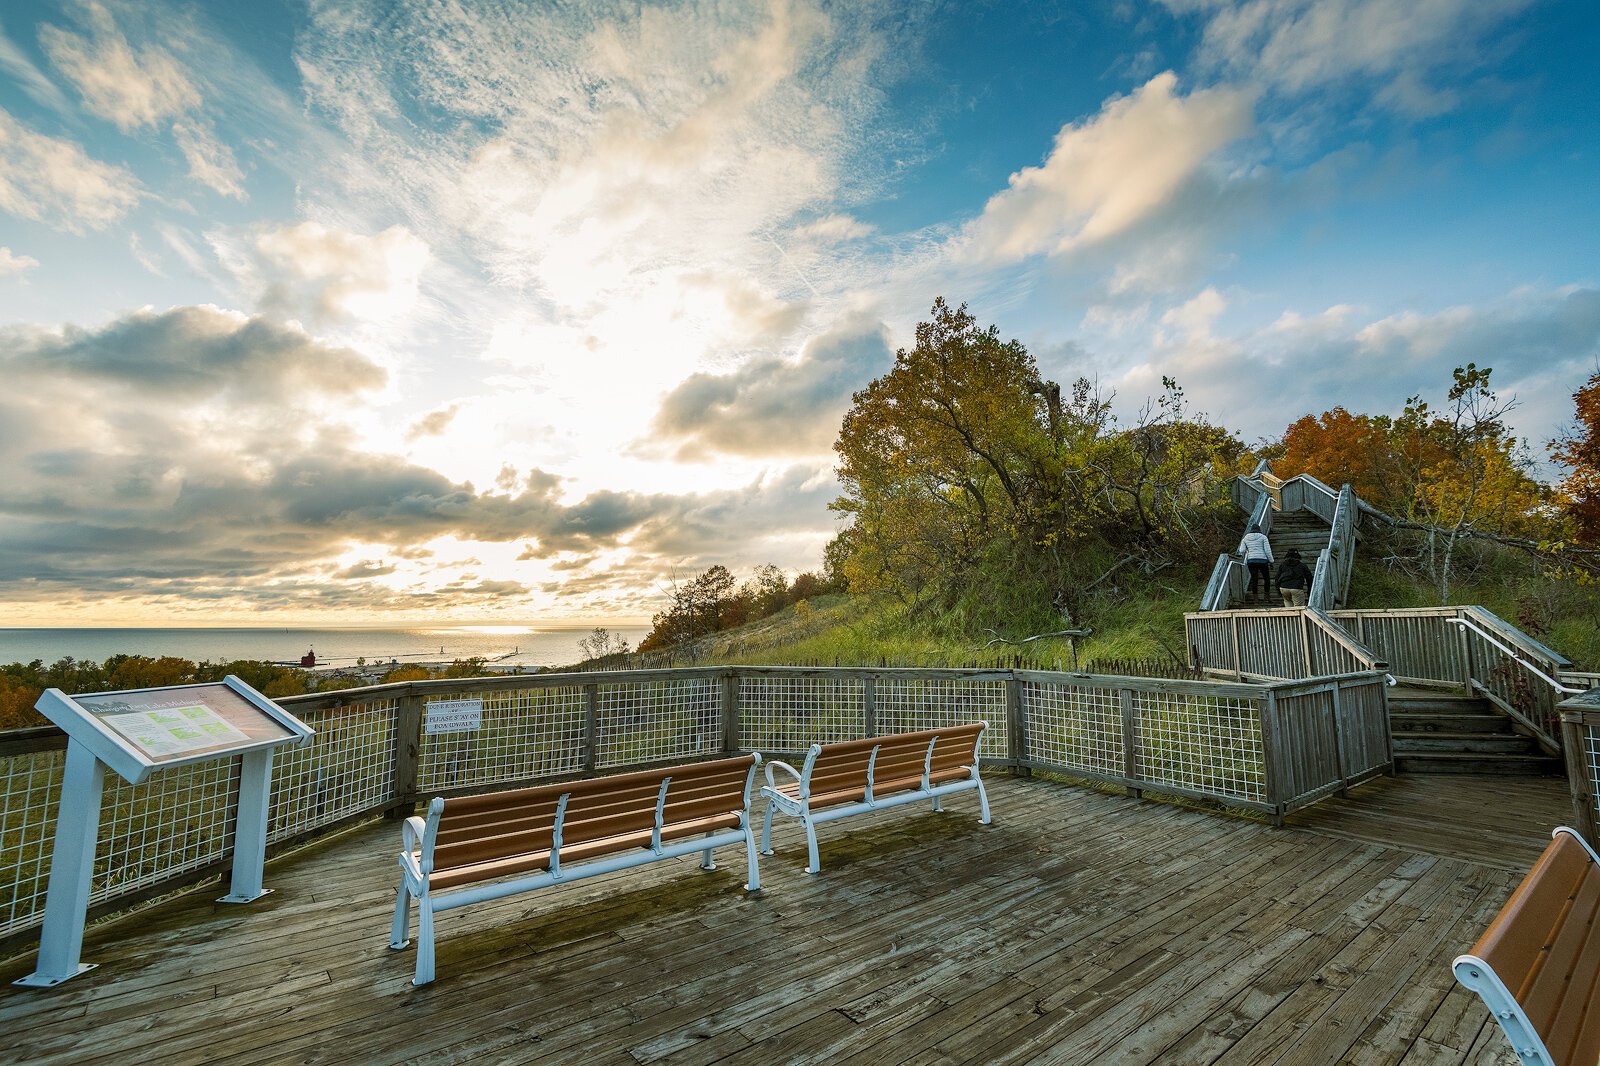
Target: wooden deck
<point x="1079" y="927"/>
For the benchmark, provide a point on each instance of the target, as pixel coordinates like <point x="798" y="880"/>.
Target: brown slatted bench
<point x="471" y="849"/>
<point x="1537" y="966"/>
<point x="855" y="776"/>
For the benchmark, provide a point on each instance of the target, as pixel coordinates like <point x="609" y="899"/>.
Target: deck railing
<point x="1275" y="645"/>
<point x="1471" y="650"/>
<point x="1267" y="748"/>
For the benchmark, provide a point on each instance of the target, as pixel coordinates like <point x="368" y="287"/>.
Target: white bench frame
<point x="1474" y="973"/>
<point x="800" y="806"/>
<point x="418" y="836"/>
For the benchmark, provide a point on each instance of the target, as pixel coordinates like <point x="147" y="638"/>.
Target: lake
<point x="508" y="646"/>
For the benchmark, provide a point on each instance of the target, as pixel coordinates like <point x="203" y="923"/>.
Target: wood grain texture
<point x="1080" y="927"/>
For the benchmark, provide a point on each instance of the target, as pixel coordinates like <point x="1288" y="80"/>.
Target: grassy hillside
<point x="1141" y="618"/>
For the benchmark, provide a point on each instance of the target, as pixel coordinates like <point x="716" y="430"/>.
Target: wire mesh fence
<point x="375" y="751"/>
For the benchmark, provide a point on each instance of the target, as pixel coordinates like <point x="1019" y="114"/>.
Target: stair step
<point x="1405" y="722"/>
<point x="1462" y="705"/>
<point x="1464" y="743"/>
<point x="1442" y="763"/>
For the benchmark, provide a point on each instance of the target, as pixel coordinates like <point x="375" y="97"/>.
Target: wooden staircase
<point x="1300" y="530"/>
<point x="1440" y="733"/>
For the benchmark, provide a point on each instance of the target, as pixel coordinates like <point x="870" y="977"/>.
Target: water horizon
<point x="507" y="645"/>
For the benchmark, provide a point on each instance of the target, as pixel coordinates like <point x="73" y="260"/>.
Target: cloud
<point x="319" y="271"/>
<point x="1109" y="173"/>
<point x="123" y="85"/>
<point x="832" y="229"/>
<point x="1541" y="345"/>
<point x="179" y="478"/>
<point x="31" y="78"/>
<point x="192" y="353"/>
<point x="772" y="406"/>
<point x="135" y="87"/>
<point x="211" y="162"/>
<point x="434" y="423"/>
<point x="1301" y="46"/>
<point x="50" y="180"/>
<point x="13" y="265"/>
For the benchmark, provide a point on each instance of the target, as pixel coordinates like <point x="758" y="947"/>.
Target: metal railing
<point x="1267" y="748"/>
<point x="1473" y="651"/>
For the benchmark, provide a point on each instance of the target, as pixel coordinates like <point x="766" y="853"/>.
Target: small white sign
<point x="453" y="716"/>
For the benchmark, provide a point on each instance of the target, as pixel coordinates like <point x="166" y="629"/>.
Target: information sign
<point x="135" y="734"/>
<point x="453" y="716"/>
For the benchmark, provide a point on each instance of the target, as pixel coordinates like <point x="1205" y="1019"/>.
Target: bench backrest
<point x="901" y="762"/>
<point x="1537" y="966"/>
<point x="499" y="825"/>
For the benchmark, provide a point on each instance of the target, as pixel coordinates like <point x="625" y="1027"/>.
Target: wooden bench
<point x="476" y="848"/>
<point x="1537" y="966"/>
<point x="855" y="776"/>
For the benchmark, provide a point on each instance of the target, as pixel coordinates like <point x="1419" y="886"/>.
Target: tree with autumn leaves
<point x="968" y="477"/>
<point x="1578" y="449"/>
<point x="1447" y="474"/>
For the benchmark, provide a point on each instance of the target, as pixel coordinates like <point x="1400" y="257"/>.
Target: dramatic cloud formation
<point x="1110" y="173"/>
<point x="401" y="306"/>
<point x="775" y="406"/>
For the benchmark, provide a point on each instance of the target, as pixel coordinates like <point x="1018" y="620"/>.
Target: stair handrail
<point x="1467" y="623"/>
<point x="1512" y="635"/>
<point x="1219" y="589"/>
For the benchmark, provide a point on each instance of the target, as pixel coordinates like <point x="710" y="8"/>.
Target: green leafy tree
<point x="942" y="454"/>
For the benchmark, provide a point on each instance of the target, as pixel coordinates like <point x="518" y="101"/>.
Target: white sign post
<point x="136" y="733"/>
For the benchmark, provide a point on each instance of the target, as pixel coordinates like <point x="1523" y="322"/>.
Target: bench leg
<point x="815" y="866"/>
<point x="938" y="805"/>
<point x="706" y="862"/>
<point x="424" y="941"/>
<point x="766" y="831"/>
<point x="400" y="932"/>
<point x="754" y="882"/>
<point x="983" y="800"/>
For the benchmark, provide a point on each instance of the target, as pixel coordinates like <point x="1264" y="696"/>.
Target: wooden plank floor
<point x="1080" y="927"/>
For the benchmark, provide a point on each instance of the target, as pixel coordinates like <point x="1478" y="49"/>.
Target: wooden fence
<point x="1265" y="748"/>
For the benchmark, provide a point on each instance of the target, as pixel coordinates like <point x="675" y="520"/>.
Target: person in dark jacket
<point x="1294" y="580"/>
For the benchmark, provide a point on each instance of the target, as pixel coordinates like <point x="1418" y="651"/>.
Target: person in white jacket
<point x="1257" y="552"/>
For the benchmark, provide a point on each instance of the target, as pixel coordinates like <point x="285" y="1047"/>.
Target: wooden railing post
<point x="1580" y="716"/>
<point x="591" y="729"/>
<point x="1272" y="773"/>
<point x="409" y="709"/>
<point x="1130" y="742"/>
<point x="1017" y="728"/>
<point x="730" y="712"/>
<point x="869" y="705"/>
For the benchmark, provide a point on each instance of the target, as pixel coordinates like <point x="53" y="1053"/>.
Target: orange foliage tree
<point x="1579" y="450"/>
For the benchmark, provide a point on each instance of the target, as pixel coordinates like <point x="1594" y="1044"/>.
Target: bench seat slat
<point x="531" y="862"/>
<point x="1560" y="1003"/>
<point x="1537" y="965"/>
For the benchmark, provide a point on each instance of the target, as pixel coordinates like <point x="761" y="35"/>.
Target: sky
<point x="390" y="311"/>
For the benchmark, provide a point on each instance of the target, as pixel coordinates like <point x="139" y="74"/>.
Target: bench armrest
<point x="412" y="834"/>
<point x="785" y="767"/>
